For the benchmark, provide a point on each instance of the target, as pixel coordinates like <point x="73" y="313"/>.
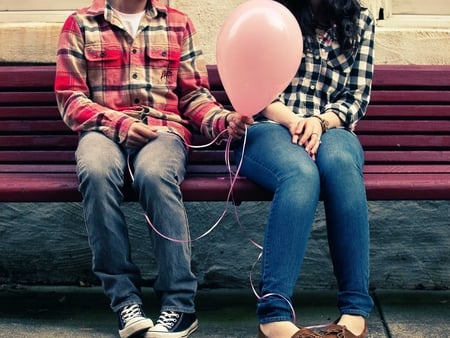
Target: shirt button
<point x="317" y="57"/>
<point x="312" y="87"/>
<point x="136" y="101"/>
<point x="164" y="53"/>
<point x="134" y="51"/>
<point x="135" y="76"/>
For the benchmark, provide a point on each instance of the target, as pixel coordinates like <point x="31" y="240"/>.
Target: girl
<point x="302" y="148"/>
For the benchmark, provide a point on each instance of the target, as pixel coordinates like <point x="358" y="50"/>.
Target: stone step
<point x="416" y="22"/>
<point x="413" y="39"/>
<point x="400" y="39"/>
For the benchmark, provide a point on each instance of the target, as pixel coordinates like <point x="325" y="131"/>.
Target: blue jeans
<point x="159" y="168"/>
<point x="298" y="182"/>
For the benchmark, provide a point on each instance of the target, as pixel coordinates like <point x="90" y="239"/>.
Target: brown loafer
<point x="338" y="331"/>
<point x="301" y="333"/>
<point x="306" y="333"/>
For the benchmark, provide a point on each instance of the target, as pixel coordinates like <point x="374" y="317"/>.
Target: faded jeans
<point x="158" y="169"/>
<point x="298" y="182"/>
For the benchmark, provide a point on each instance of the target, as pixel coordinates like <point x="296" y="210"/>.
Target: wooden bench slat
<point x="217" y="158"/>
<point x="406" y="111"/>
<point x="373" y="112"/>
<point x="384" y="75"/>
<point x="403" y="186"/>
<point x="51" y="126"/>
<point x="407" y="96"/>
<point x="63" y="187"/>
<point x="42" y="168"/>
<point x="37" y="156"/>
<point x="31" y="113"/>
<point x="28" y="98"/>
<point x="404" y="141"/>
<point x="404" y="126"/>
<point x="407" y="169"/>
<point x="28" y="77"/>
<point x="222" y="170"/>
<point x="411" y="76"/>
<point x="432" y="157"/>
<point x="43" y="141"/>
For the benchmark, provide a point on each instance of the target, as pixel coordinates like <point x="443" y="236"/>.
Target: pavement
<point x="83" y="312"/>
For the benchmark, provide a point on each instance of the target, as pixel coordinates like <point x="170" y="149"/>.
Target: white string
<point x="233" y="177"/>
<point x="271" y="294"/>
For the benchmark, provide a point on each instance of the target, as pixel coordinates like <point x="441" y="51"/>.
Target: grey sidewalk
<point x="74" y="312"/>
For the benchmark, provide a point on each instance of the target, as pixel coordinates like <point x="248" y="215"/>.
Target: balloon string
<point x="233" y="178"/>
<point x="271" y="294"/>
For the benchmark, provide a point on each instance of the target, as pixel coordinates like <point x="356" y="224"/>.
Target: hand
<point x="139" y="135"/>
<point x="307" y="133"/>
<point x="237" y="124"/>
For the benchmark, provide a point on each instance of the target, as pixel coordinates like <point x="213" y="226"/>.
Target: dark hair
<point x="342" y="15"/>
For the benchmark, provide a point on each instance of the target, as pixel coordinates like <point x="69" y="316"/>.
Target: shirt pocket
<point x="340" y="62"/>
<point x="338" y="71"/>
<point x="163" y="64"/>
<point x="103" y="56"/>
<point x="103" y="64"/>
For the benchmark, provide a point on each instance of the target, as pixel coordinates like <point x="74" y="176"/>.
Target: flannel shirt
<point x="328" y="80"/>
<point x="106" y="79"/>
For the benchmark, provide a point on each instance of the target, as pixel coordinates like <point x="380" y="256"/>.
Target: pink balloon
<point x="259" y="49"/>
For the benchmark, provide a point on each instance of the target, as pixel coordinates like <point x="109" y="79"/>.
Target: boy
<point x="131" y="80"/>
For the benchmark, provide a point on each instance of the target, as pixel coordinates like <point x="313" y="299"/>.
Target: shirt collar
<point x="103" y="7"/>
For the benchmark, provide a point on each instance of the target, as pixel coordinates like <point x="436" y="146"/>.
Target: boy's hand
<point x="237" y="124"/>
<point x="139" y="135"/>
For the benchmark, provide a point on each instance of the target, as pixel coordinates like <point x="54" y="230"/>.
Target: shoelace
<point x="168" y="319"/>
<point x="306" y="333"/>
<point x="335" y="331"/>
<point x="130" y="311"/>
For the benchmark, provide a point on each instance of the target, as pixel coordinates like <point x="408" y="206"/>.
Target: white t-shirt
<point x="130" y="21"/>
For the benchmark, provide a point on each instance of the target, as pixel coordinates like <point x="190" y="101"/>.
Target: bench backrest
<point x="407" y="124"/>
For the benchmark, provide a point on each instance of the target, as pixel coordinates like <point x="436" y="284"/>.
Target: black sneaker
<point x="174" y="325"/>
<point x="132" y="320"/>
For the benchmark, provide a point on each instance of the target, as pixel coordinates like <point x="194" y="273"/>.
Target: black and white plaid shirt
<point x="328" y="80"/>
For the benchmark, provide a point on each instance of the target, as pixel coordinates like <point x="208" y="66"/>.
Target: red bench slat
<point x="405" y="141"/>
<point x="27" y="97"/>
<point x="406" y="96"/>
<point x="403" y="126"/>
<point x="33" y="112"/>
<point x="30" y="126"/>
<point x="407" y="111"/>
<point x="411" y="76"/>
<point x="43" y="141"/>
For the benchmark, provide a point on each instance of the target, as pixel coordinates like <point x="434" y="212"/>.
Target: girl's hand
<point x="306" y="132"/>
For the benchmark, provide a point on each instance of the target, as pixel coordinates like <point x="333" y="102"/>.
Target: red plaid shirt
<point x="106" y="79"/>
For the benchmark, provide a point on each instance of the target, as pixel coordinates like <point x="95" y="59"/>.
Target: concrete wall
<point x="47" y="244"/>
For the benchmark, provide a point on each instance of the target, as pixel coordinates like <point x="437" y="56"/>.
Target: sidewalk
<point x="47" y="312"/>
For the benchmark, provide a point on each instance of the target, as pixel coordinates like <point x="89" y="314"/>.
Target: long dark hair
<point x="342" y="15"/>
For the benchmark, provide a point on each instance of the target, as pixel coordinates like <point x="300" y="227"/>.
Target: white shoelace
<point x="130" y="311"/>
<point x="168" y="319"/>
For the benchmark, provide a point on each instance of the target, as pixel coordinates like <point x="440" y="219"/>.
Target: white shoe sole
<point x="183" y="334"/>
<point x="138" y="326"/>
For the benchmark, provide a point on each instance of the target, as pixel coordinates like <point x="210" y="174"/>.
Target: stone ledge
<point x="422" y="22"/>
<point x="399" y="40"/>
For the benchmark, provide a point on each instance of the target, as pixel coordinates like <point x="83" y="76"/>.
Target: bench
<point x="405" y="135"/>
